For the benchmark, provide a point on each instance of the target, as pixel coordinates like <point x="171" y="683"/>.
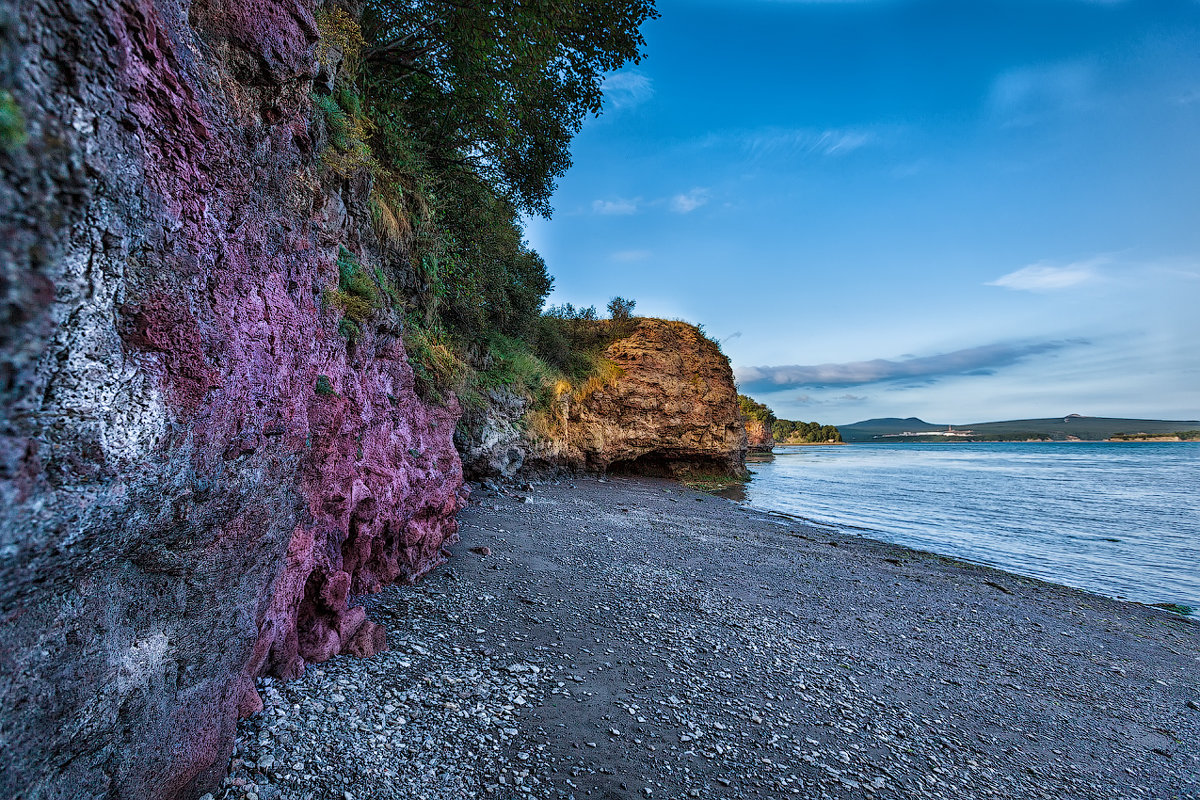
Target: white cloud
<point x="630" y="255"/>
<point x="1042" y="277"/>
<point x="627" y="89"/>
<point x="618" y="206"/>
<point x="689" y="202"/>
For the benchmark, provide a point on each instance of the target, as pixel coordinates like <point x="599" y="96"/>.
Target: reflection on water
<point x="735" y="491"/>
<point x="1120" y="519"/>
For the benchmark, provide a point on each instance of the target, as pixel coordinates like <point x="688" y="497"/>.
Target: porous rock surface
<point x="180" y="510"/>
<point x="673" y="409"/>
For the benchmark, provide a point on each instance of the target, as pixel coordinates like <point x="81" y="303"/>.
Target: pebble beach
<point x="630" y="638"/>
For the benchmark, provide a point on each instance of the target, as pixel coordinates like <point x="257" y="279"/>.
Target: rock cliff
<point x="759" y="436"/>
<point x="196" y="470"/>
<point x="669" y="407"/>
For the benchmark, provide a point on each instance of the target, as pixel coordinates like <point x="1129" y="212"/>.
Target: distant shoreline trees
<point x="786" y="431"/>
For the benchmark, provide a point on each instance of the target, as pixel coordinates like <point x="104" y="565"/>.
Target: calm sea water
<point x="1118" y="519"/>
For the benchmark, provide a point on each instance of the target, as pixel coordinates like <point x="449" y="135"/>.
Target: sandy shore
<point x="631" y="638"/>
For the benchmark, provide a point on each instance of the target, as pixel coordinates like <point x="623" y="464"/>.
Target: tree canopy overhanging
<point x="498" y="88"/>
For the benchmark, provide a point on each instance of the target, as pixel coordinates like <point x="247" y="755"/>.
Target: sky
<point x="961" y="211"/>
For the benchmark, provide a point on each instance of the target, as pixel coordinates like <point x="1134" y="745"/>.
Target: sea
<point x="1120" y="519"/>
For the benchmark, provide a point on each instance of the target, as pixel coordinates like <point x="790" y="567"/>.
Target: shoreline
<point x="631" y="638"/>
<point x="809" y="444"/>
<point x="1121" y="559"/>
<point x="1012" y="441"/>
<point x="853" y="530"/>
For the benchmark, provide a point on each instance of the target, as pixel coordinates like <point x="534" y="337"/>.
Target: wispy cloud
<point x="618" y="206"/>
<point x="983" y="360"/>
<point x="1044" y="277"/>
<point x="1022" y="96"/>
<point x="831" y="142"/>
<point x="775" y="142"/>
<point x="1187" y="98"/>
<point x="690" y="201"/>
<point x="628" y="256"/>
<point x="840" y="400"/>
<point x="627" y="89"/>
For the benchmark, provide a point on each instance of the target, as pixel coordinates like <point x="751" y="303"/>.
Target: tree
<point x="752" y="409"/>
<point x="498" y="88"/>
<point x="620" y="308"/>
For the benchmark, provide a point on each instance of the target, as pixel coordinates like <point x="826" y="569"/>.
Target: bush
<point x="620" y="308"/>
<point x="324" y="387"/>
<point x="358" y="295"/>
<point x="12" y="123"/>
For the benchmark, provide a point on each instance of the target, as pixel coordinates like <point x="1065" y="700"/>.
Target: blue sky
<point x="963" y="211"/>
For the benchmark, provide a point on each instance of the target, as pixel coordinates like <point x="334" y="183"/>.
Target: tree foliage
<point x="498" y="88"/>
<point x="620" y="308"/>
<point x="751" y="409"/>
<point x="786" y="430"/>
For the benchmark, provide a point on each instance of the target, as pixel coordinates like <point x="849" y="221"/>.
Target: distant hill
<point x="1072" y="426"/>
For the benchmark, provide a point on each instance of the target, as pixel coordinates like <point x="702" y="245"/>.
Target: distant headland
<point x="1069" y="428"/>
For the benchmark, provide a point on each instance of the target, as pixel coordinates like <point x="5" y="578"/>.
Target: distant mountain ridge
<point x="1065" y="428"/>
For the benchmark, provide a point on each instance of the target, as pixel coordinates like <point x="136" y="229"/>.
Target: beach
<point x="628" y="637"/>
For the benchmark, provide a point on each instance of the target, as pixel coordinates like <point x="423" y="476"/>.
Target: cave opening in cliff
<point x="661" y="465"/>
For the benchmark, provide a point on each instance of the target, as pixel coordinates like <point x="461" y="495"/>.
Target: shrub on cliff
<point x="751" y="409"/>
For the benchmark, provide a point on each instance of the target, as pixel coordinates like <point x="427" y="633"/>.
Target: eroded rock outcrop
<point x="759" y="437"/>
<point x="670" y="408"/>
<point x="493" y="441"/>
<point x="196" y="470"/>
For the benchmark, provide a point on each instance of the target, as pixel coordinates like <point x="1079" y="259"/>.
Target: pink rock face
<point x="180" y="509"/>
<point x="759" y="436"/>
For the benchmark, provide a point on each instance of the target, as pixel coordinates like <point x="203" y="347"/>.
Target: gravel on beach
<point x="630" y="638"/>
